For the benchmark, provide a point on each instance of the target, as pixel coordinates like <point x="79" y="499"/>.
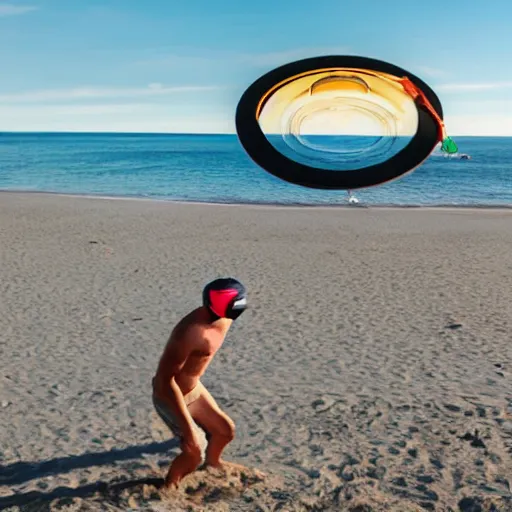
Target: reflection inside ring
<point x="338" y="119"/>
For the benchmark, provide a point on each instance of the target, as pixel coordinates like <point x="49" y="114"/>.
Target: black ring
<point x="266" y="156"/>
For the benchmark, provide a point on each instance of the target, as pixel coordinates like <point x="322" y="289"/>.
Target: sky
<point x="169" y="66"/>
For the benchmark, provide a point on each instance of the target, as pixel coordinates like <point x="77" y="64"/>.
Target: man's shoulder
<point x="188" y="329"/>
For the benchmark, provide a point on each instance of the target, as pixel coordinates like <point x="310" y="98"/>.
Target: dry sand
<point x="373" y="371"/>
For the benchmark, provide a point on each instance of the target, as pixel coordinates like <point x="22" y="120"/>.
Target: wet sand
<point x="373" y="368"/>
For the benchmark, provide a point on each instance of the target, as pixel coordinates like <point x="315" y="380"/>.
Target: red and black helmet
<point x="225" y="298"/>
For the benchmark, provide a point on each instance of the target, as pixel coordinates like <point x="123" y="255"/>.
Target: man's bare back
<point x="180" y="398"/>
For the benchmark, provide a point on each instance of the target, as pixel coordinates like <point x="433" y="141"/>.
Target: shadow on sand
<point x="21" y="472"/>
<point x="78" y="492"/>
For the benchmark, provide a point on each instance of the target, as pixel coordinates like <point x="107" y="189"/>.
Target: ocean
<point x="215" y="168"/>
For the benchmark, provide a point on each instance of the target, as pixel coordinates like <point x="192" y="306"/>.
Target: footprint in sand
<point x="210" y="485"/>
<point x="205" y="489"/>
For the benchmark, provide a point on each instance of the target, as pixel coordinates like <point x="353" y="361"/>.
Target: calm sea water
<point x="214" y="168"/>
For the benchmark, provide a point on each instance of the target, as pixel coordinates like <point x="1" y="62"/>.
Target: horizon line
<point x="76" y="132"/>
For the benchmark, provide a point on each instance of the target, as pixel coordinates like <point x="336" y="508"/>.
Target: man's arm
<point x="173" y="361"/>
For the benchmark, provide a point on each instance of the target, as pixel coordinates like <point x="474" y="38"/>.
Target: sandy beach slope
<point x="373" y="371"/>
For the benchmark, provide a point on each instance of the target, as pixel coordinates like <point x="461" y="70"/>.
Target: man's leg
<point x="181" y="466"/>
<point x="219" y="426"/>
<point x="187" y="461"/>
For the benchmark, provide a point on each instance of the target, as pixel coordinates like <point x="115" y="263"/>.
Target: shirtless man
<point x="179" y="397"/>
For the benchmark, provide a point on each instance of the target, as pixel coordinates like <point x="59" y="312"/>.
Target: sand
<point x="372" y="372"/>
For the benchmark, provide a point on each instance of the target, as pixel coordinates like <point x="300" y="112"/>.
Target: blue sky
<point x="169" y="66"/>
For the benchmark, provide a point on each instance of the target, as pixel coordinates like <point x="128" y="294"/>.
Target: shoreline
<point x="316" y="206"/>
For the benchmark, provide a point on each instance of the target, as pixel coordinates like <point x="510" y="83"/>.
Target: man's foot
<point x="232" y="467"/>
<point x="216" y="464"/>
<point x="170" y="485"/>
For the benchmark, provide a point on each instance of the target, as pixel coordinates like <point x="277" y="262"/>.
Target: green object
<point x="449" y="146"/>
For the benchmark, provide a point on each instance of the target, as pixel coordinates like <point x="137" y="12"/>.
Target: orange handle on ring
<point x="418" y="95"/>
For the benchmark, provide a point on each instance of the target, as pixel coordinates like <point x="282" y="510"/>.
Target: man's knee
<point x="228" y="429"/>
<point x="224" y="429"/>
<point x="194" y="456"/>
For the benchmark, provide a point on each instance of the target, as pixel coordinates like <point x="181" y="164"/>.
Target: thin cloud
<point x="481" y="125"/>
<point x="431" y="72"/>
<point x="57" y="110"/>
<point x="216" y="59"/>
<point x="84" y="93"/>
<point x="285" y="56"/>
<point x="15" y="10"/>
<point x="100" y="119"/>
<point x="474" y="87"/>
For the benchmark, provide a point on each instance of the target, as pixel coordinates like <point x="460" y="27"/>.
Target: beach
<point x="374" y="367"/>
